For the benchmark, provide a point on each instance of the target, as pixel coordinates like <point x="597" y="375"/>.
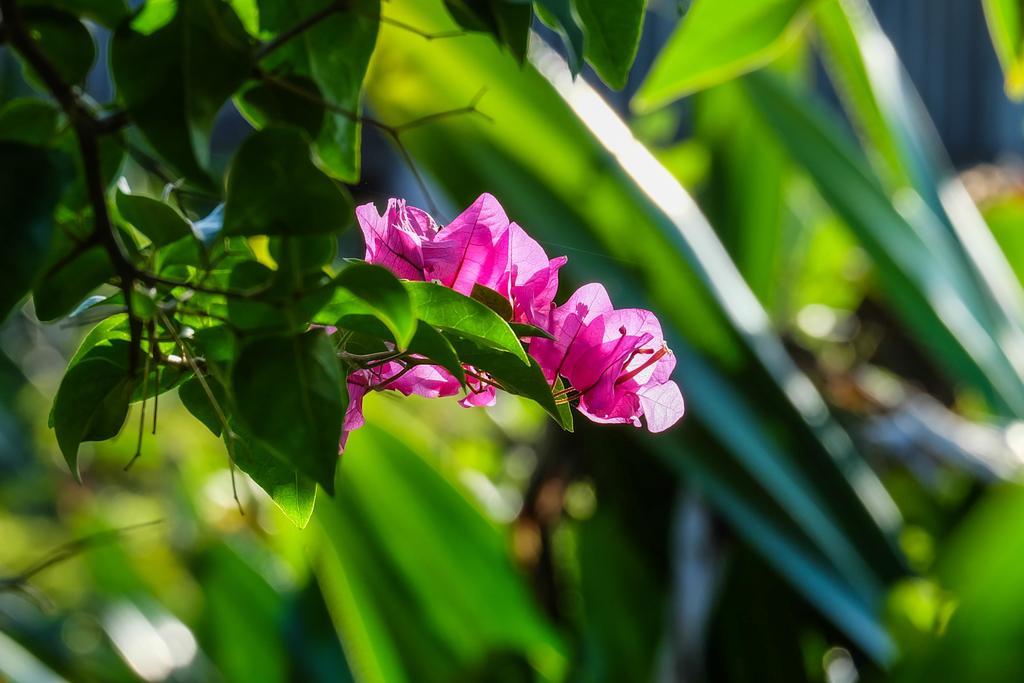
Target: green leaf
<point x="64" y="40"/>
<point x="612" y="36"/>
<point x="153" y="218"/>
<point x="275" y="189"/>
<point x="527" y="381"/>
<point x="291" y="491"/>
<point x="111" y="153"/>
<point x="255" y="312"/>
<point x="1005" y="20"/>
<point x="295" y="256"/>
<point x="113" y="329"/>
<point x="175" y="80"/>
<point x="28" y="121"/>
<point x="92" y="400"/>
<point x="289" y="393"/>
<point x="371" y="573"/>
<point x="244" y="622"/>
<point x="430" y="343"/>
<point x="31" y="183"/>
<point x="65" y="283"/>
<point x="267" y="103"/>
<point x="195" y="399"/>
<point x="110" y="13"/>
<point x="453" y="312"/>
<point x="560" y="16"/>
<point x="384" y="293"/>
<point x="524" y="330"/>
<point x="778" y="441"/>
<point x="921" y="292"/>
<point x="564" y="409"/>
<point x="492" y="300"/>
<point x="718" y="41"/>
<point x="508" y="22"/>
<point x="334" y="54"/>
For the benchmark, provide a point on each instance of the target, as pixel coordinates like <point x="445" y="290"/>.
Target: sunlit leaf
<point x="450" y="311"/>
<point x="386" y="296"/>
<point x="718" y="41"/>
<point x="1006" y="26"/>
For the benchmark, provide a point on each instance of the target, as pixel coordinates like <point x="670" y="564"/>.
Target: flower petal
<point x="662" y="406"/>
<point x="472" y="249"/>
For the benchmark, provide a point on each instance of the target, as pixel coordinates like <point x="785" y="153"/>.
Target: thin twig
<point x="426" y="35"/>
<point x="65" y="552"/>
<point x="154" y="349"/>
<point x="229" y="434"/>
<point x="392" y="131"/>
<point x="86" y="130"/>
<point x="142" y="413"/>
<point x="309" y="22"/>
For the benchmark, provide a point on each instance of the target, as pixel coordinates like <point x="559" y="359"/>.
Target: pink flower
<point x="479" y="247"/>
<point x="531" y="280"/>
<point x="616" y="361"/>
<point x="471" y="250"/>
<point x="395" y="240"/>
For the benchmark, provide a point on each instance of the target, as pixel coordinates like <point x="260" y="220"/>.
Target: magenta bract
<point x="614" y="363"/>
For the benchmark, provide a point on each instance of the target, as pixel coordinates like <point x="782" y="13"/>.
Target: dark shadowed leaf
<point x="67" y="282"/>
<point x="174" y="81"/>
<point x="267" y="103"/>
<point x="110" y="13"/>
<point x="28" y="121"/>
<point x="153" y="218"/>
<point x="290" y="490"/>
<point x="92" y="401"/>
<point x="275" y="189"/>
<point x="508" y="22"/>
<point x="31" y="183"/>
<point x="560" y="16"/>
<point x="64" y="40"/>
<point x="612" y="36"/>
<point x="492" y="300"/>
<point x="298" y="255"/>
<point x="525" y="330"/>
<point x="195" y="399"/>
<point x="289" y="393"/>
<point x="334" y="54"/>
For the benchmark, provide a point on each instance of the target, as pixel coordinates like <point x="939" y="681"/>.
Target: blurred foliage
<point x="846" y="309"/>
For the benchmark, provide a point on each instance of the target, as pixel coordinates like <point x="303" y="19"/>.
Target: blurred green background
<point x="840" y="502"/>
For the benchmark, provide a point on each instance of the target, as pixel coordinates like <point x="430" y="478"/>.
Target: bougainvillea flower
<point x="531" y="279"/>
<point x="395" y="240"/>
<point x="616" y="361"/>
<point x="428" y="381"/>
<point x="471" y="250"/>
<point x="479" y="247"/>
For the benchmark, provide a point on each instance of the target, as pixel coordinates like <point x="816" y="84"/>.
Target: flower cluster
<point x="614" y="362"/>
